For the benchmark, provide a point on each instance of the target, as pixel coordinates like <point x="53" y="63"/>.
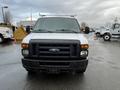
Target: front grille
<point x="54" y="49"/>
<point x="55" y="63"/>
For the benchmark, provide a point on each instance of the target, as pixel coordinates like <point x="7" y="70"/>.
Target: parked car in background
<point x="112" y="32"/>
<point x="99" y="30"/>
<point x="5" y="33"/>
<point x="108" y="33"/>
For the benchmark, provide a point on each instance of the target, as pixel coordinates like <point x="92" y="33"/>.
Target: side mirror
<point x="31" y="29"/>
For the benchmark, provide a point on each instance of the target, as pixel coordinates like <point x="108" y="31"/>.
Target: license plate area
<point x="53" y="70"/>
<point x="54" y="63"/>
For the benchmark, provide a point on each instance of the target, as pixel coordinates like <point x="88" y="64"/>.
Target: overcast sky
<point x="90" y="11"/>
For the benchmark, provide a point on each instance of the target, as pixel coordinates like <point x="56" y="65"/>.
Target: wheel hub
<point x="106" y="37"/>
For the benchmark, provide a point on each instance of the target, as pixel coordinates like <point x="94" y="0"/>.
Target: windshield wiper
<point x="42" y="30"/>
<point x="38" y="30"/>
<point x="67" y="30"/>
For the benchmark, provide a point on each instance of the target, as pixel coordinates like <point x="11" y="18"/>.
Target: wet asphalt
<point x="103" y="72"/>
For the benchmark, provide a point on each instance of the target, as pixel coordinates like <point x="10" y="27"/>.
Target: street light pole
<point x="3" y="13"/>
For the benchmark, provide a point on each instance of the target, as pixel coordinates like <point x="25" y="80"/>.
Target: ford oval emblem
<point x="54" y="50"/>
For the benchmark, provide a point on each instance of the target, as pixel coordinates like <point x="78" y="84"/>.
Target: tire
<point x="98" y="34"/>
<point x="1" y="39"/>
<point x="107" y="37"/>
<point x="30" y="72"/>
<point x="80" y="71"/>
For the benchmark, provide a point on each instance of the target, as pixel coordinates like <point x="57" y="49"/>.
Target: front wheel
<point x="80" y="71"/>
<point x="30" y="72"/>
<point x="98" y="34"/>
<point x="1" y="39"/>
<point x="106" y="37"/>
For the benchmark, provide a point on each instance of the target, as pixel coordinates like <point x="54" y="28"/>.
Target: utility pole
<point x="3" y="14"/>
<point x="31" y="17"/>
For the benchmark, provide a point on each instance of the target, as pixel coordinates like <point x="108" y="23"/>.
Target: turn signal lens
<point x="84" y="46"/>
<point x="24" y="45"/>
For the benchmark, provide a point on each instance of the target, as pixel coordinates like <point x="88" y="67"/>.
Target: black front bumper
<point x="54" y="65"/>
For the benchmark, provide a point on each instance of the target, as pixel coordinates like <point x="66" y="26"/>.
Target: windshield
<point x="57" y="25"/>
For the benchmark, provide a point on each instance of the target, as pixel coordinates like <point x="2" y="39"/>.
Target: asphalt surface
<point x="103" y="72"/>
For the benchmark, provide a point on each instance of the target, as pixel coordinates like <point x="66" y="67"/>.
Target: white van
<point x="55" y="45"/>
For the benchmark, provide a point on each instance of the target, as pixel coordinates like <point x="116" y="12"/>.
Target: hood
<point x="4" y="28"/>
<point x="64" y="36"/>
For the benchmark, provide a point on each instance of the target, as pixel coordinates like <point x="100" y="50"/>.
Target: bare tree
<point x="83" y="25"/>
<point x="85" y="28"/>
<point x="7" y="17"/>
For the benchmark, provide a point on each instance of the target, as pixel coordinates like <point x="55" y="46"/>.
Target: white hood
<point x="65" y="36"/>
<point x="4" y="29"/>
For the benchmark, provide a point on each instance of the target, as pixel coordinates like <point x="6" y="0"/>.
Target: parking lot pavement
<point x="103" y="72"/>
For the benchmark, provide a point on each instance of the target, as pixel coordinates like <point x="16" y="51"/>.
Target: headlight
<point x="7" y="31"/>
<point x="4" y="34"/>
<point x="84" y="54"/>
<point x="25" y="52"/>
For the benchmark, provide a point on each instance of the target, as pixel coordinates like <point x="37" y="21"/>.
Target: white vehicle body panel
<point x="113" y="33"/>
<point x="63" y="36"/>
<point x="103" y="32"/>
<point x="6" y="32"/>
<point x="97" y="31"/>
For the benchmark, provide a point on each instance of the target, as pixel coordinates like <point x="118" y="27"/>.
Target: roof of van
<point x="58" y="16"/>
